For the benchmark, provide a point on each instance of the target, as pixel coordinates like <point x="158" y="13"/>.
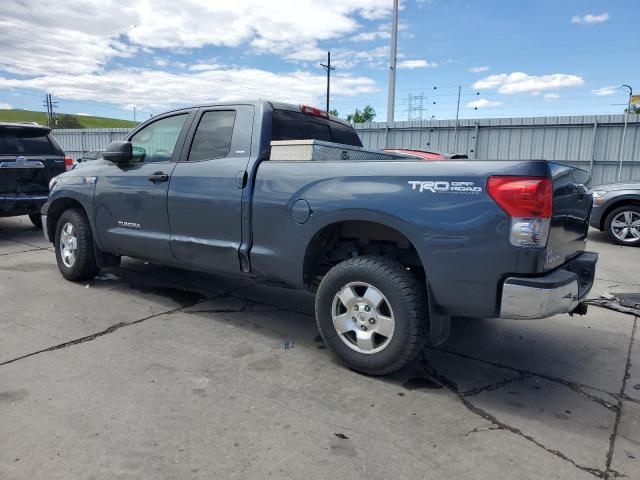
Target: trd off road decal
<point x="444" y="186"/>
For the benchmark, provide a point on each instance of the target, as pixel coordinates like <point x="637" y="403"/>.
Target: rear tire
<point x="623" y="225"/>
<point x="36" y="219"/>
<point x="371" y="311"/>
<point x="74" y="246"/>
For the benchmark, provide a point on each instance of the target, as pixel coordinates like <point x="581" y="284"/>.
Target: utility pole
<point x="392" y="65"/>
<point x="624" y="131"/>
<point x="455" y="128"/>
<point x="328" y="68"/>
<point x="134" y="113"/>
<point x="49" y="104"/>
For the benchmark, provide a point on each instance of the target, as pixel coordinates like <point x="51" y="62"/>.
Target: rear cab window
<point x="27" y="141"/>
<point x="290" y="125"/>
<point x="213" y="136"/>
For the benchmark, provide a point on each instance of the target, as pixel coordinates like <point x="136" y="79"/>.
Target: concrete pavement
<point x="156" y="372"/>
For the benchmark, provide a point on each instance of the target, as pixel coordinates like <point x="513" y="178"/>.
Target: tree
<point x="68" y="121"/>
<point x="333" y="111"/>
<point x="366" y="115"/>
<point x="634" y="109"/>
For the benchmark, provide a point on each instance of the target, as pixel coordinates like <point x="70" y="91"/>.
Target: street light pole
<point x="392" y="68"/>
<point x="624" y="131"/>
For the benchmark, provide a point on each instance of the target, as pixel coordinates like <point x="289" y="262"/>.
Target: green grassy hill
<point x="85" y="120"/>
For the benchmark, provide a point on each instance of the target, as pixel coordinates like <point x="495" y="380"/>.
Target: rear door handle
<point x="158" y="177"/>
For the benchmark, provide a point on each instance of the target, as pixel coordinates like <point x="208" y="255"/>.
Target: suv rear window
<point x="288" y="125"/>
<point x="26" y="142"/>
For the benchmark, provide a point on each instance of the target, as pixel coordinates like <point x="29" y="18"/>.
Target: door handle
<point x="158" y="177"/>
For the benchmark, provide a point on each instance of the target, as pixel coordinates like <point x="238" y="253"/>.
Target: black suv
<point x="29" y="159"/>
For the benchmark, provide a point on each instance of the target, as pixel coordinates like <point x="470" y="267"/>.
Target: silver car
<point x="616" y="210"/>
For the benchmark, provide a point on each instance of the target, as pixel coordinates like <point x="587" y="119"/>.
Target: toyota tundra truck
<point x="392" y="246"/>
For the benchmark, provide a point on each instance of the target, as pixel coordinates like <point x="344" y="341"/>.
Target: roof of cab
<point x="273" y="104"/>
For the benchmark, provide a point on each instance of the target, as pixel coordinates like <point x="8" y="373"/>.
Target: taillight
<point x="316" y="112"/>
<point x="68" y="163"/>
<point x="528" y="201"/>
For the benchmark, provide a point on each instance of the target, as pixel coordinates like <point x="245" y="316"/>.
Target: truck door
<point x="131" y="199"/>
<point x="205" y="194"/>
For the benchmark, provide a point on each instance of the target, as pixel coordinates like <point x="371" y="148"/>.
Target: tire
<point x="36" y="219"/>
<point x="361" y="282"/>
<point x="82" y="265"/>
<point x="623" y="225"/>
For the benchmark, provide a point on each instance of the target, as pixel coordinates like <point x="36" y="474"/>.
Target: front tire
<point x="623" y="225"/>
<point x="371" y="311"/>
<point x="36" y="219"/>
<point x="74" y="246"/>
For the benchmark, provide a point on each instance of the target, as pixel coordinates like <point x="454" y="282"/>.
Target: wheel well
<point x="613" y="206"/>
<point x="339" y="241"/>
<point x="54" y="212"/>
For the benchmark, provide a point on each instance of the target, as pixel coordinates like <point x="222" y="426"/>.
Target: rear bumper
<point x="12" y="205"/>
<point x="560" y="291"/>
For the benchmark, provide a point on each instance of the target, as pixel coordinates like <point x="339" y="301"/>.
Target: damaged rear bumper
<point x="560" y="291"/>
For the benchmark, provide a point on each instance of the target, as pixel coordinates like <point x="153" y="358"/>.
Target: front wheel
<point x="371" y="311"/>
<point x="623" y="225"/>
<point x="74" y="246"/>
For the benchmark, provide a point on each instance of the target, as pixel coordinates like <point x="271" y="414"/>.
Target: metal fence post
<point x="593" y="147"/>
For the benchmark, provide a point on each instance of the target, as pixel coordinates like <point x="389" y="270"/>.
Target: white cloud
<point x="550" y="97"/>
<point x="382" y="33"/>
<point x="77" y="51"/>
<point x="411" y="64"/>
<point x="606" y="91"/>
<point x="158" y="89"/>
<point x="590" y="18"/>
<point x="82" y="114"/>
<point x="478" y="69"/>
<point x="70" y="39"/>
<point x="520" y="82"/>
<point x="5" y="106"/>
<point x="484" y="103"/>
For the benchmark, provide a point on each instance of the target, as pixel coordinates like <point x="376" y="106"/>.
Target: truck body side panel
<point x="461" y="237"/>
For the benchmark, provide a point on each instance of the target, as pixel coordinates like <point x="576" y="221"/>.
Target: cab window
<point x="213" y="136"/>
<point x="157" y="141"/>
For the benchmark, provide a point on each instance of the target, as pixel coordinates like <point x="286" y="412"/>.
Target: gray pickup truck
<point x="392" y="248"/>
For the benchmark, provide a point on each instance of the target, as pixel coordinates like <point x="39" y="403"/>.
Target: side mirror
<point x="118" y="152"/>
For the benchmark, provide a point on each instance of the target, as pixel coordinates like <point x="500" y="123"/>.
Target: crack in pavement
<point x="623" y="386"/>
<point x="494" y="386"/>
<point x="93" y="336"/>
<point x="115" y="327"/>
<point x="22" y="251"/>
<point x="576" y="387"/>
<point x="499" y="425"/>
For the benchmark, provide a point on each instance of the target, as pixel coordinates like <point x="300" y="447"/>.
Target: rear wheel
<point x="371" y="311"/>
<point x="36" y="219"/>
<point x="74" y="246"/>
<point x="623" y="225"/>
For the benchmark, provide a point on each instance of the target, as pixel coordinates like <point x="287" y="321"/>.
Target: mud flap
<point x="439" y="321"/>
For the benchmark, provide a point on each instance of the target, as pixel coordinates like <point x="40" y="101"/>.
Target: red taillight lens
<point x="68" y="163"/>
<point x="523" y="197"/>
<point x="316" y="112"/>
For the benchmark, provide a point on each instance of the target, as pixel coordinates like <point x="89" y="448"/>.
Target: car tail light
<point x="316" y="112"/>
<point x="528" y="201"/>
<point x="68" y="163"/>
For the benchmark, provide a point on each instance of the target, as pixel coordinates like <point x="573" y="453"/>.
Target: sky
<point x="510" y="58"/>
